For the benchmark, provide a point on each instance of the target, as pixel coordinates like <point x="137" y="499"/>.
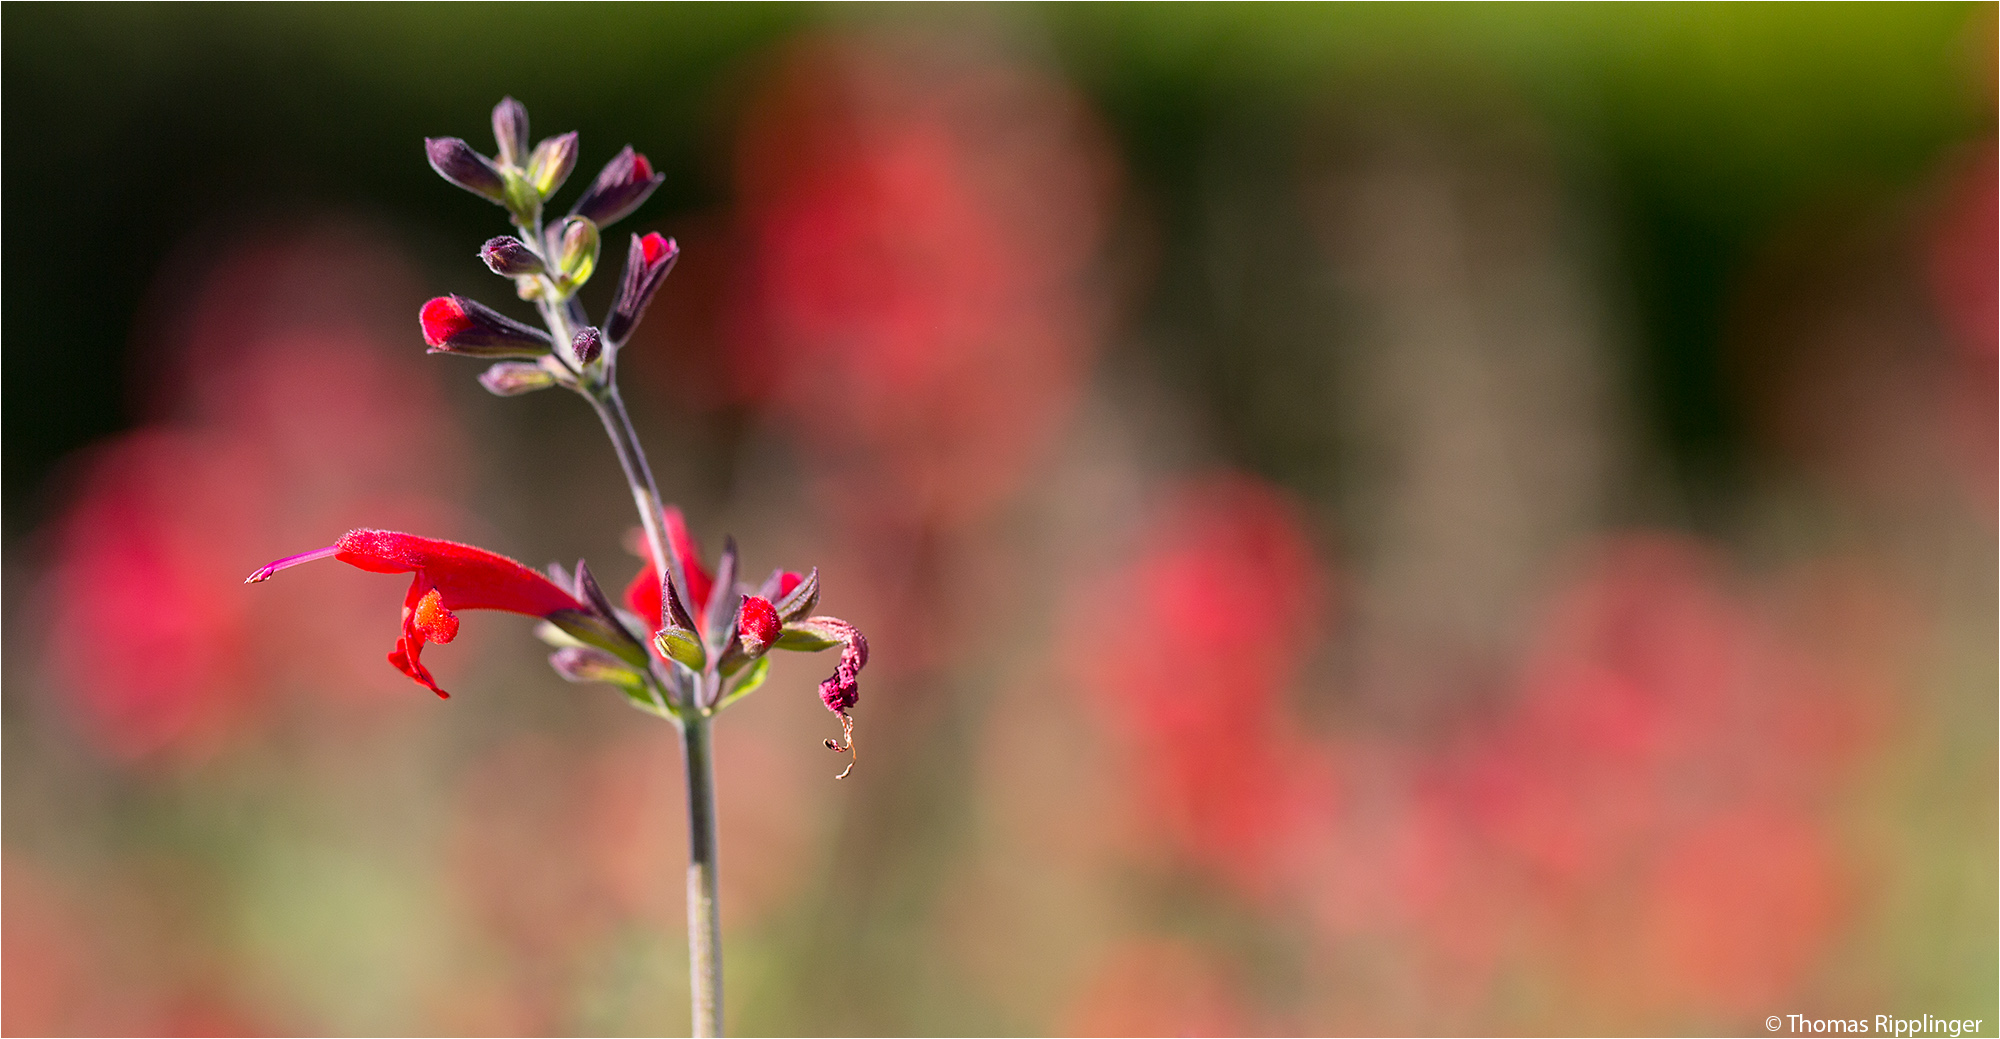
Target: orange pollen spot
<point x="434" y="621"/>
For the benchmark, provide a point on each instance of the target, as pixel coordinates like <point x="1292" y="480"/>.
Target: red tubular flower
<point x="449" y="577"/>
<point x="643" y="594"/>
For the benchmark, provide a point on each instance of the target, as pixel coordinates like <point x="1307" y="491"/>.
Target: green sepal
<point x="804" y="640"/>
<point x="586" y="664"/>
<point x="681" y="646"/>
<point x="590" y="630"/>
<point x="518" y="194"/>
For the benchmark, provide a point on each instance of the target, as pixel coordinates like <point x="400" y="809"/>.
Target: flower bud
<point x="586" y="346"/>
<point x="757" y="625"/>
<point x="681" y="645"/>
<point x="677" y="640"/>
<point x="510" y="130"/>
<point x="455" y="161"/>
<point x="584" y="664"/>
<point x="799" y="599"/>
<point x="456" y="325"/>
<point x="624" y="183"/>
<point x="551" y="163"/>
<point x="646" y="265"/>
<point x="576" y="251"/>
<point x="513" y="378"/>
<point x="510" y="257"/>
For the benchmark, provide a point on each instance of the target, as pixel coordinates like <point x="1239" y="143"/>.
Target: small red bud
<point x="758" y="625"/>
<point x="456" y="325"/>
<point x="443" y="318"/>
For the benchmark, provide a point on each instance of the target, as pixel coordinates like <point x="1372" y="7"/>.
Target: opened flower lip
<point x="448" y="577"/>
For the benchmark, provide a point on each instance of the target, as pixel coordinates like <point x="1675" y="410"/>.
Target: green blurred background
<point x="1690" y="187"/>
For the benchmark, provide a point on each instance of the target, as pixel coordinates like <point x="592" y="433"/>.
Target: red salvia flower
<point x="449" y="577"/>
<point x="643" y="594"/>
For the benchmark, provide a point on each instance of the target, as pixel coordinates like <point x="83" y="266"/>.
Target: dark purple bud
<point x="510" y="130"/>
<point x="722" y="599"/>
<point x="674" y="611"/>
<point x="513" y="378"/>
<point x="455" y="161"/>
<point x="554" y="158"/>
<point x="646" y="265"/>
<point x="625" y="182"/>
<point x="510" y="257"/>
<point x="586" y="346"/>
<point x="456" y="325"/>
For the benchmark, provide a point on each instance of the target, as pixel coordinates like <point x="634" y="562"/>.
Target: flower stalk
<point x="709" y="633"/>
<point x="704" y="919"/>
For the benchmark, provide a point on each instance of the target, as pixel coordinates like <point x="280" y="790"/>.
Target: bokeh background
<point x="1370" y="519"/>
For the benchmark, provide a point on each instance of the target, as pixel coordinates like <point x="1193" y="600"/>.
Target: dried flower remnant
<point x="774" y="615"/>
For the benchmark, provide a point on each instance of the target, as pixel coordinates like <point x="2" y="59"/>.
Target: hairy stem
<point x="704" y="925"/>
<point x="638" y="475"/>
<point x="704" y="929"/>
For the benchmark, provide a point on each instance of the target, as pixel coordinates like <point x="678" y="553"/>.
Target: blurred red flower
<point x="1648" y="808"/>
<point x="278" y="408"/>
<point x="1190" y="648"/>
<point x="921" y="227"/>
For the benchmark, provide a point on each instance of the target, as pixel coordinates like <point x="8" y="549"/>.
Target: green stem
<point x="704" y="924"/>
<point x="638" y="475"/>
<point x="704" y="927"/>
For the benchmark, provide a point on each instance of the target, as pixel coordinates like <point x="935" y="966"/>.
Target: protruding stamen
<point x="264" y="572"/>
<point x="846" y="745"/>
